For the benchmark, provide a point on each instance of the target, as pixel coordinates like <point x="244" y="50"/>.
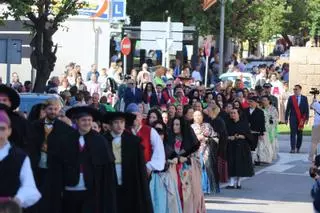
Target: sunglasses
<point x="3" y="128"/>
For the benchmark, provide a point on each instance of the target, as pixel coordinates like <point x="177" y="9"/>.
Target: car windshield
<point x="246" y="80"/>
<point x="27" y="103"/>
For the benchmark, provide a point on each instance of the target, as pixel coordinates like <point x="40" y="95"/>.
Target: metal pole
<point x="167" y="48"/>
<point x="207" y="69"/>
<point x="124" y="65"/>
<point x="8" y="61"/>
<point x="221" y="64"/>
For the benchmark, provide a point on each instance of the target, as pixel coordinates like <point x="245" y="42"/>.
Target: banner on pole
<point x="207" y="4"/>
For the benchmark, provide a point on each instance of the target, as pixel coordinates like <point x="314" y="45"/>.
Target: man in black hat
<point x="10" y="101"/>
<point x="133" y="194"/>
<point x="267" y="90"/>
<point x="46" y="156"/>
<point x="257" y="125"/>
<point x="90" y="177"/>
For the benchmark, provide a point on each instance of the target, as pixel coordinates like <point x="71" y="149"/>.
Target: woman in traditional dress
<point x="207" y="153"/>
<point x="239" y="153"/>
<point x="185" y="143"/>
<point x="163" y="187"/>
<point x="216" y="118"/>
<point x="271" y="118"/>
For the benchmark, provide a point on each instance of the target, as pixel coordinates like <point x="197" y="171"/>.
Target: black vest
<point x="10" y="168"/>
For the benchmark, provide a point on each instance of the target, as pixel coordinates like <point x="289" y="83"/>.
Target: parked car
<point x="28" y="100"/>
<point x="254" y="63"/>
<point x="247" y="78"/>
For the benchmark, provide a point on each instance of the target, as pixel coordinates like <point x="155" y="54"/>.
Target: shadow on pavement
<point x="271" y="187"/>
<point x="235" y="203"/>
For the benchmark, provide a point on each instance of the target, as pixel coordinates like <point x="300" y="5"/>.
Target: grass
<point x="285" y="130"/>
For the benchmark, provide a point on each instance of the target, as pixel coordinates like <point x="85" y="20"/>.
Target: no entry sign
<point x="125" y="46"/>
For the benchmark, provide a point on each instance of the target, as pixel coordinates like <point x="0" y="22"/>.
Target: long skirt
<point x="164" y="193"/>
<point x="239" y="159"/>
<point x="189" y="187"/>
<point x="184" y="184"/>
<point x="209" y="170"/>
<point x="264" y="150"/>
<point x="273" y="139"/>
<point x="223" y="170"/>
<point x="197" y="193"/>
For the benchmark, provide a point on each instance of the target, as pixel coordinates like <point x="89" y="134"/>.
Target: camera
<point x="314" y="91"/>
<point x="314" y="172"/>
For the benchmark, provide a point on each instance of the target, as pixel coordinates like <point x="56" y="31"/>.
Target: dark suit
<point x="130" y="97"/>
<point x="50" y="181"/>
<point x="295" y="133"/>
<point x="134" y="194"/>
<point x="257" y="124"/>
<point x="99" y="174"/>
<point x="155" y="101"/>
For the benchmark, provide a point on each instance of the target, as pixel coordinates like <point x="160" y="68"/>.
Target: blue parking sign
<point x="118" y="9"/>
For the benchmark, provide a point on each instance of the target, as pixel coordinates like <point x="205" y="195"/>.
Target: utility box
<point x="10" y="51"/>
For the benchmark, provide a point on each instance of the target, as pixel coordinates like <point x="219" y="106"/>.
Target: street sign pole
<point x="167" y="43"/>
<point x="221" y="64"/>
<point x="207" y="70"/>
<point x="124" y="65"/>
<point x="8" y="62"/>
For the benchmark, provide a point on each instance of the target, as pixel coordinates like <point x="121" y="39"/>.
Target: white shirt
<point x="103" y="81"/>
<point x="299" y="99"/>
<point x="28" y="193"/>
<point x="93" y="88"/>
<point x="81" y="186"/>
<point x="196" y="76"/>
<point x="157" y="161"/>
<point x="251" y="110"/>
<point x="316" y="107"/>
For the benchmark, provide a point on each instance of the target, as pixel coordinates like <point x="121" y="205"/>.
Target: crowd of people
<point x="145" y="142"/>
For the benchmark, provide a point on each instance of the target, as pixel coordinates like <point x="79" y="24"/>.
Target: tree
<point x="45" y="17"/>
<point x="313" y="11"/>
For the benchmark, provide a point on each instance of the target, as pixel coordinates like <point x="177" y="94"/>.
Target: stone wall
<point x="305" y="69"/>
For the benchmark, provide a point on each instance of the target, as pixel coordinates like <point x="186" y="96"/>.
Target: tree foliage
<point x="313" y="11"/>
<point x="245" y="19"/>
<point x="45" y="17"/>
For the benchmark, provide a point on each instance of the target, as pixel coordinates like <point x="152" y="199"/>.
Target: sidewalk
<point x="284" y="144"/>
<point x="283" y="186"/>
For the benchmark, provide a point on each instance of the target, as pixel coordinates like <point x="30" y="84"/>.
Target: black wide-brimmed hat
<point x="111" y="116"/>
<point x="12" y="95"/>
<point x="81" y="111"/>
<point x="254" y="98"/>
<point x="267" y="85"/>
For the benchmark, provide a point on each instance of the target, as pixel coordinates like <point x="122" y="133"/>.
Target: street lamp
<point x="221" y="45"/>
<point x="165" y="14"/>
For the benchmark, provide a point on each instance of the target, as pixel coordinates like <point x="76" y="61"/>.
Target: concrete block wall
<point x="305" y="70"/>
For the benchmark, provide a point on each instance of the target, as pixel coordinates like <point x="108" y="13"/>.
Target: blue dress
<point x="164" y="193"/>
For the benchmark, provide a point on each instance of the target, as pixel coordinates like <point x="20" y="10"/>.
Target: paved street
<point x="281" y="187"/>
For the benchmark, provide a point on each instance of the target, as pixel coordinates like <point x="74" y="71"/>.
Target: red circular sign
<point x="126" y="46"/>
